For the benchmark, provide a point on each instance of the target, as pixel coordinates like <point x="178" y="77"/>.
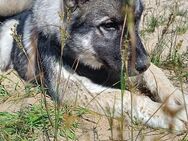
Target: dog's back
<point x="11" y="7"/>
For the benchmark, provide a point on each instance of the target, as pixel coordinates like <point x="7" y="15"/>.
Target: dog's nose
<point x="142" y="65"/>
<point x="139" y="68"/>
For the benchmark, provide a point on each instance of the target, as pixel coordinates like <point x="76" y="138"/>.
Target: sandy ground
<point x="96" y="127"/>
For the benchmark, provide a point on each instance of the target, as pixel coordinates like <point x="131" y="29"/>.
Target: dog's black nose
<point x="142" y="65"/>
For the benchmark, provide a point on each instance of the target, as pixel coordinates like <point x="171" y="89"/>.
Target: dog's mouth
<point x="132" y="69"/>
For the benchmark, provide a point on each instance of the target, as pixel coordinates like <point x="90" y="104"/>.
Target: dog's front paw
<point x="160" y="115"/>
<point x="177" y="117"/>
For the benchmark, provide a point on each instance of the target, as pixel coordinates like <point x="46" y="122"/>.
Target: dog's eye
<point x="109" y="25"/>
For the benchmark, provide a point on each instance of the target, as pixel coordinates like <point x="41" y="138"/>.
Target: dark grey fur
<point x="94" y="39"/>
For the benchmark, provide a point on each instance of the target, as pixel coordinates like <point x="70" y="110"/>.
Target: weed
<point x="33" y="122"/>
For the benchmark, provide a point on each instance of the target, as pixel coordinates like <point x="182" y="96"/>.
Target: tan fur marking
<point x="32" y="57"/>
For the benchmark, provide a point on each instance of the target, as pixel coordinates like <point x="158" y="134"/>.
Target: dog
<point x="88" y="66"/>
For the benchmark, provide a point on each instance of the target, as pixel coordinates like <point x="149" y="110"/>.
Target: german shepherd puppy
<point x="87" y="66"/>
<point x="94" y="41"/>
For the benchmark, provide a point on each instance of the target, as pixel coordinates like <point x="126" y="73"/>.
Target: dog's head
<point x="95" y="35"/>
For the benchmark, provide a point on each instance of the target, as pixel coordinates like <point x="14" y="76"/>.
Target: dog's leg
<point x="143" y="108"/>
<point x="159" y="84"/>
<point x="6" y="43"/>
